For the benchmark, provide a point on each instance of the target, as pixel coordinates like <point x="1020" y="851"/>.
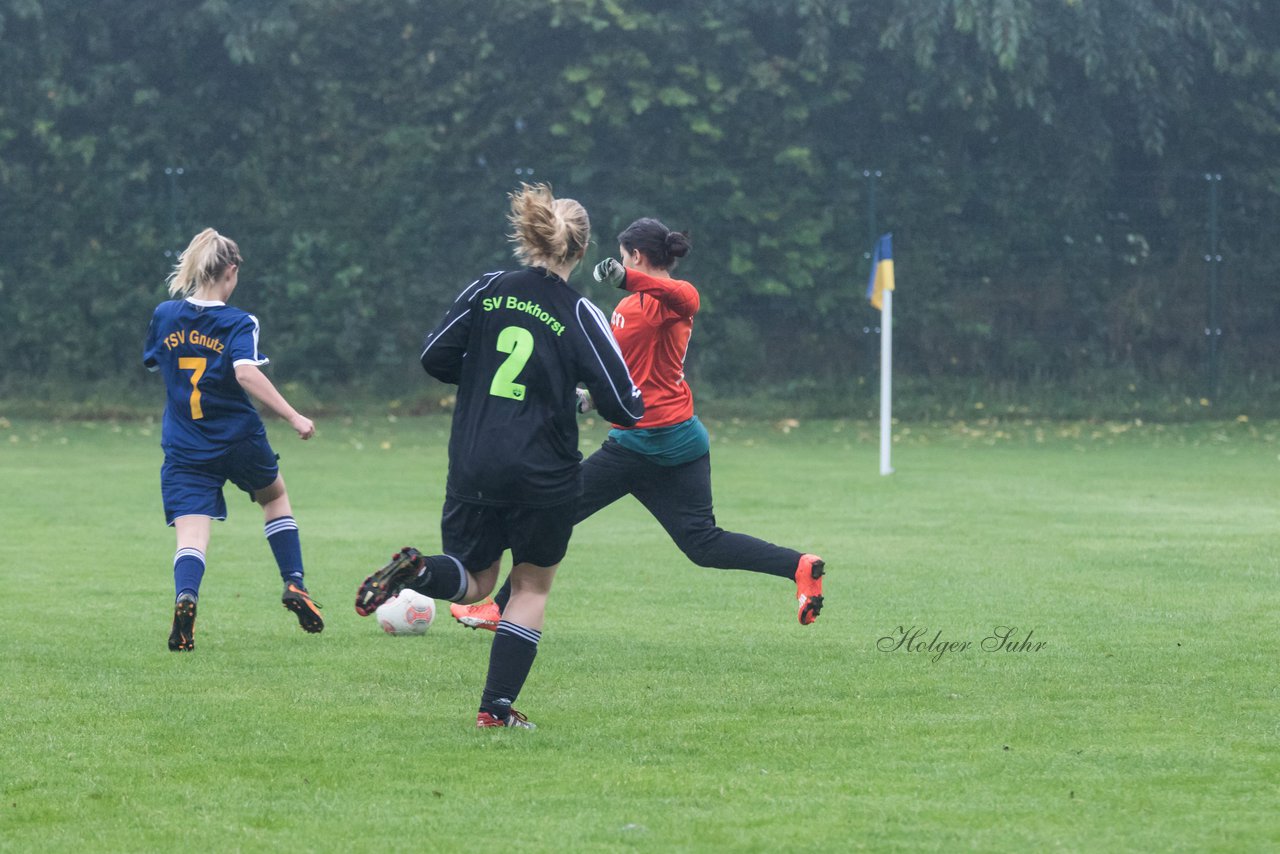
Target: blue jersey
<point x="196" y="345"/>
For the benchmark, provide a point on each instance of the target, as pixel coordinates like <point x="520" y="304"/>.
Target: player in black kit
<point x="517" y="344"/>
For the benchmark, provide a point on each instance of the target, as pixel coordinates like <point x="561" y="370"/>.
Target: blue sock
<point x="510" y="659"/>
<point x="282" y="536"/>
<point x="188" y="569"/>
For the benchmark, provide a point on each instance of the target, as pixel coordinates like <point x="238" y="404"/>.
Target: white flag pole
<point x="886" y="381"/>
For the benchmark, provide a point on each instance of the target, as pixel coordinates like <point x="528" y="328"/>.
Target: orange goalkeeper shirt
<point x="652" y="326"/>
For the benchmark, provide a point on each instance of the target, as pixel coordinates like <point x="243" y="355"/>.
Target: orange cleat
<point x="809" y="587"/>
<point x="484" y="720"/>
<point x="299" y="601"/>
<point x="482" y="615"/>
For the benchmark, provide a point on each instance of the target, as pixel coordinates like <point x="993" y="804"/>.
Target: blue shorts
<point x="478" y="534"/>
<point x="195" y="488"/>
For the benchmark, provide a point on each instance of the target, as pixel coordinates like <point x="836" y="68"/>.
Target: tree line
<point x="1080" y="191"/>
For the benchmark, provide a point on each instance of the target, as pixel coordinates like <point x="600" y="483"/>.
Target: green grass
<point x="679" y="709"/>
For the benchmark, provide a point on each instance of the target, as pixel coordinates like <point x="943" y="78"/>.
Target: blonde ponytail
<point x="547" y="231"/>
<point x="206" y="257"/>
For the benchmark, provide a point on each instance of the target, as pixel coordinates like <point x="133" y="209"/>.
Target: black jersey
<point x="517" y="344"/>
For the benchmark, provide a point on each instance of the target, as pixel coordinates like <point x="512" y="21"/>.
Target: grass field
<point x="679" y="709"/>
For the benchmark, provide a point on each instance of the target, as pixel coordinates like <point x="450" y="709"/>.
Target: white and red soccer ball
<point x="407" y="613"/>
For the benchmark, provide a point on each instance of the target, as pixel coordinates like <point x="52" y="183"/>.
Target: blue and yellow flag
<point x="881" y="271"/>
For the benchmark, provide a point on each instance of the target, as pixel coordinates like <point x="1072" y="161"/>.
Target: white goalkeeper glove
<point x="585" y="403"/>
<point x="610" y="272"/>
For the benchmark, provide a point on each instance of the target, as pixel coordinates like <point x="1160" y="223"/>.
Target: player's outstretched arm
<point x="255" y="382"/>
<point x="676" y="295"/>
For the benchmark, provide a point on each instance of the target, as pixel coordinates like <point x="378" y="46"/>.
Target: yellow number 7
<point x="196" y="366"/>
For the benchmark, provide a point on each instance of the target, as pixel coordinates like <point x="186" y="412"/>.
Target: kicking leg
<point x="679" y="497"/>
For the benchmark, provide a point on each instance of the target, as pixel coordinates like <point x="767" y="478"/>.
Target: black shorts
<point x="478" y="534"/>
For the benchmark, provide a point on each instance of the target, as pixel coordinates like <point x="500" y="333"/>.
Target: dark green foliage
<point x="1041" y="165"/>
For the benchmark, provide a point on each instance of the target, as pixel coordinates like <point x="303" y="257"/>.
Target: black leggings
<point x="679" y="497"/>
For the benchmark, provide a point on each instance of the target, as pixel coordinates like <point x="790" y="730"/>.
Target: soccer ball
<point x="407" y="613"/>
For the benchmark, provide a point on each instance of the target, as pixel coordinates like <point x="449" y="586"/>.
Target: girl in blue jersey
<point x="207" y="352"/>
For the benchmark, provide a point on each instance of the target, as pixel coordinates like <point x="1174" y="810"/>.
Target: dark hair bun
<point x="677" y="243"/>
<point x="659" y="244"/>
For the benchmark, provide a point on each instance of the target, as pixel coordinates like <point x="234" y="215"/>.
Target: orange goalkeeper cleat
<point x="809" y="587"/>
<point x="482" y="615"/>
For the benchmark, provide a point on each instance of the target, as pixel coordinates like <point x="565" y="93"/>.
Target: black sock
<point x="503" y="596"/>
<point x="442" y="578"/>
<point x="510" y="659"/>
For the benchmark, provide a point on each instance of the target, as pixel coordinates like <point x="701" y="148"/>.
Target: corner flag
<point x="880" y="293"/>
<point x="881" y="271"/>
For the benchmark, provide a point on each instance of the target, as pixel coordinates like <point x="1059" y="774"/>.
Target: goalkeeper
<point x="665" y="459"/>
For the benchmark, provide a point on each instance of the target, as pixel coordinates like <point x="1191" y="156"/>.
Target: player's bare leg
<point x="515" y="644"/>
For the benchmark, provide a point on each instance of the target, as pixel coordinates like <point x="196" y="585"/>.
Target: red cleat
<point x="482" y="615"/>
<point x="484" y="720"/>
<point x="809" y="587"/>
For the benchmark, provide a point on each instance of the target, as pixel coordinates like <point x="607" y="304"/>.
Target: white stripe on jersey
<point x="469" y="295"/>
<point x="423" y="354"/>
<point x="258" y="359"/>
<point x="487" y="278"/>
<point x="596" y="315"/>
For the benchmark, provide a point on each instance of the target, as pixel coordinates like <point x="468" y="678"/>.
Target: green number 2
<point x="517" y="341"/>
